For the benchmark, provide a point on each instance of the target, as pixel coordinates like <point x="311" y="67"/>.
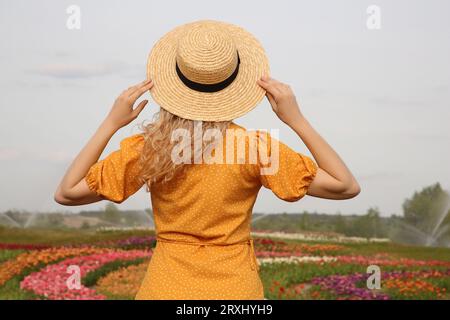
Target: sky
<point x="379" y="97"/>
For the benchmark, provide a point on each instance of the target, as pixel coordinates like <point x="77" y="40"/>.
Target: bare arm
<point x="73" y="189"/>
<point x="333" y="180"/>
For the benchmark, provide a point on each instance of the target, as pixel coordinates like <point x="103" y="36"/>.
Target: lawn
<point x="35" y="264"/>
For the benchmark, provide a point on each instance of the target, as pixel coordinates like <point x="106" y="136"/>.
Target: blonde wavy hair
<point x="156" y="161"/>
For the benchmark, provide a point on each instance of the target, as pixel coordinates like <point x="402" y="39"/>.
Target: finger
<point x="265" y="77"/>
<point x="279" y="85"/>
<point x="265" y="84"/>
<point x="270" y="80"/>
<point x="274" y="91"/>
<point x="141" y="90"/>
<point x="132" y="89"/>
<point x="140" y="107"/>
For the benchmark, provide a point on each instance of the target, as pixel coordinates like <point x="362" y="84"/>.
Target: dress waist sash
<point x="249" y="242"/>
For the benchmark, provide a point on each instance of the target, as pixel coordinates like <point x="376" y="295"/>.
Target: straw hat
<point x="207" y="70"/>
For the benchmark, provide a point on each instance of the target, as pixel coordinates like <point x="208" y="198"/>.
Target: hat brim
<point x="240" y="97"/>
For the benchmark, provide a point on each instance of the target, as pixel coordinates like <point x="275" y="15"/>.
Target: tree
<point x="374" y="220"/>
<point x="340" y="225"/>
<point x="55" y="220"/>
<point x="368" y="225"/>
<point x="304" y="221"/>
<point x="111" y="213"/>
<point x="426" y="209"/>
<point x="85" y="225"/>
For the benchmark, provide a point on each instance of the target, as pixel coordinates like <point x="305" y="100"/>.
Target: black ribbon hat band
<point x="214" y="87"/>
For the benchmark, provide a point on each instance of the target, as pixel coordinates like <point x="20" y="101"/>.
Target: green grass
<point x="394" y="249"/>
<point x="399" y="251"/>
<point x="9" y="254"/>
<point x="441" y="283"/>
<point x="287" y="274"/>
<point x="63" y="237"/>
<point x="92" y="277"/>
<point x="11" y="290"/>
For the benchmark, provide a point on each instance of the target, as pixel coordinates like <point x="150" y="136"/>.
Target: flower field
<point x="111" y="265"/>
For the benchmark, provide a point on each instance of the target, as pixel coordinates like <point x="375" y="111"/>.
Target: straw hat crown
<point x="207" y="70"/>
<point x="206" y="55"/>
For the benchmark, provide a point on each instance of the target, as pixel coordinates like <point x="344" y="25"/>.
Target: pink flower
<point x="51" y="281"/>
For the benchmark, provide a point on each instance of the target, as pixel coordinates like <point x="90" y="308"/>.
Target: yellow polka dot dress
<point x="202" y="219"/>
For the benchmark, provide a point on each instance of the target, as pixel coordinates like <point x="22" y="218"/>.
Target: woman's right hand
<point x="122" y="112"/>
<point x="282" y="99"/>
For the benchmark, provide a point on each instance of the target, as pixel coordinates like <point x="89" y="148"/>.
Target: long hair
<point x="156" y="156"/>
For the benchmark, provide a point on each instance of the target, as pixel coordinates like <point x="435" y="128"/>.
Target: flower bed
<point x="17" y="246"/>
<point x="389" y="261"/>
<point x="294" y="259"/>
<point x="30" y="259"/>
<point x="267" y="247"/>
<point x="135" y="242"/>
<point x="50" y="282"/>
<point x="124" y="282"/>
<point x="415" y="284"/>
<point x="113" y="266"/>
<point x="402" y="283"/>
<point x="317" y="236"/>
<point x="346" y="287"/>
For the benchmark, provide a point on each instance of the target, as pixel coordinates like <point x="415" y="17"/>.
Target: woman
<point x="206" y="73"/>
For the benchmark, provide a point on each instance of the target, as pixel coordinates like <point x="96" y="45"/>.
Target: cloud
<point x="380" y="175"/>
<point x="381" y="101"/>
<point x="441" y="89"/>
<point x="42" y="154"/>
<point x="76" y="71"/>
<point x="54" y="156"/>
<point x="9" y="153"/>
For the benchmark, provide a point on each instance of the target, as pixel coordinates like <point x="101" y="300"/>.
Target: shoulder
<point x="263" y="138"/>
<point x="133" y="142"/>
<point x="260" y="133"/>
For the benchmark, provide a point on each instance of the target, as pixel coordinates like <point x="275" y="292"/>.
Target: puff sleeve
<point x="290" y="172"/>
<point x="116" y="177"/>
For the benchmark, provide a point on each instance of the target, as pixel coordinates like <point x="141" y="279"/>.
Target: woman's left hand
<point x="122" y="112"/>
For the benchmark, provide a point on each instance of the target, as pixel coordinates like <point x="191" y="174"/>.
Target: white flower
<point x="318" y="237"/>
<point x="294" y="259"/>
